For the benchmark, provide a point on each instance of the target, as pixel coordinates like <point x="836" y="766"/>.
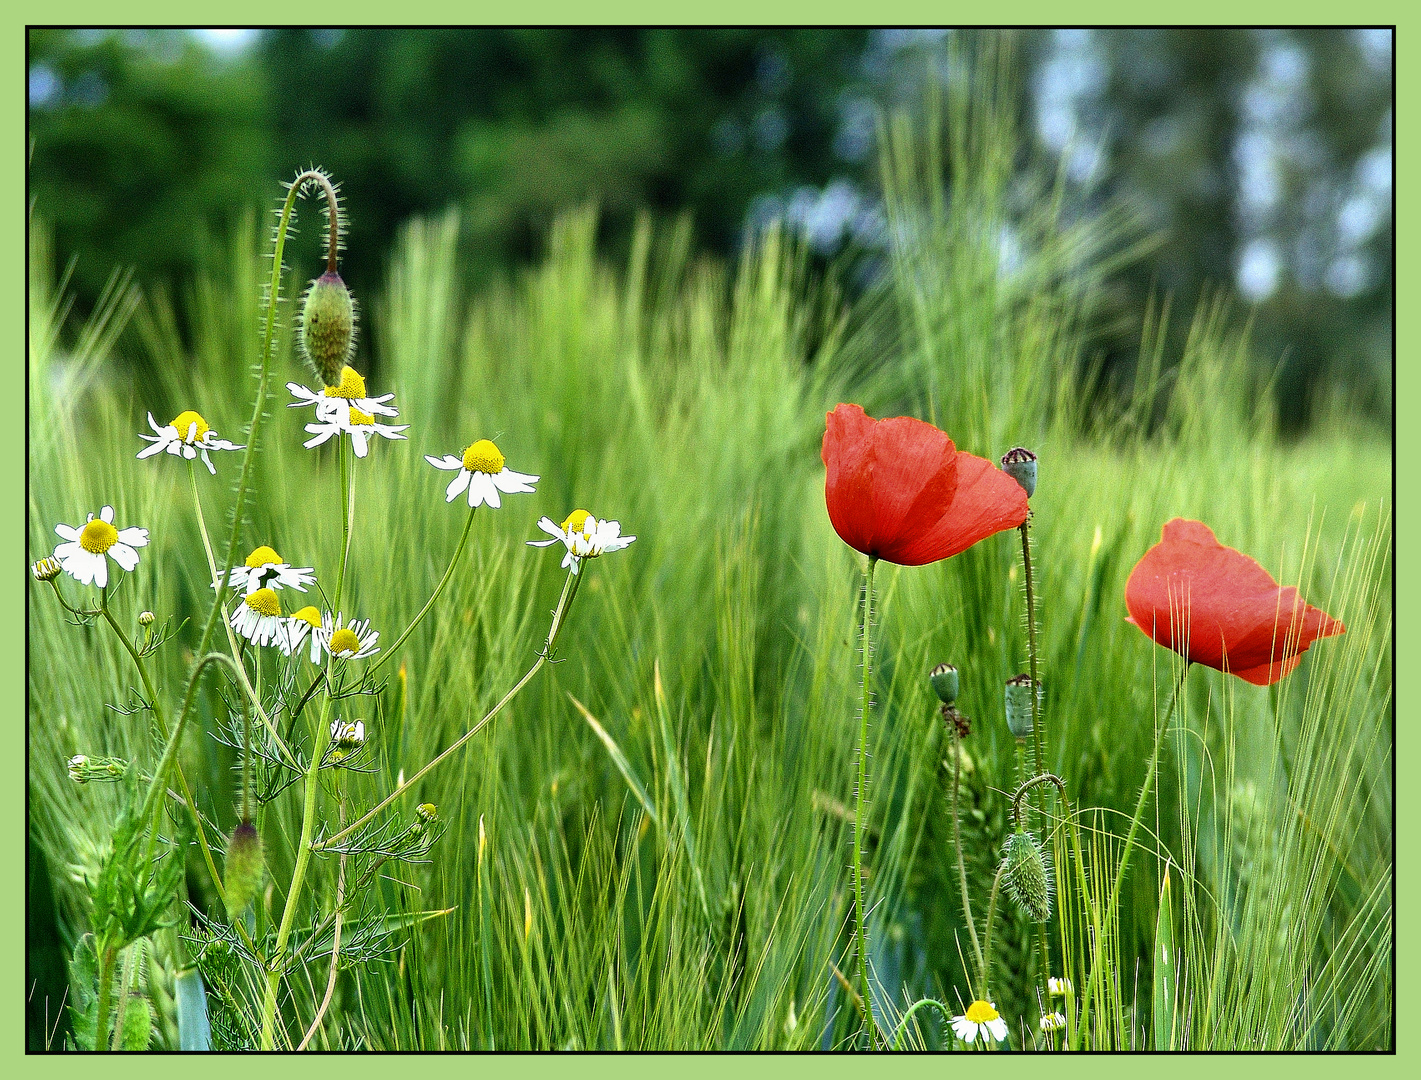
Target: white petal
<point x="445" y="463"/>
<point x="156" y="447"/>
<point x="359" y="440"/>
<point x="125" y="556"/>
<point x="481" y="490"/>
<point x="513" y="483"/>
<point x="188" y="451"/>
<point x="107" y="514"/>
<point x="133" y="537"/>
<point x="322" y="434"/>
<point x="208" y="462"/>
<point x="68" y="532"/>
<point x="154" y="425"/>
<point x="458" y="485"/>
<point x="546" y="524"/>
<point x="101" y="571"/>
<point x="998" y="1029"/>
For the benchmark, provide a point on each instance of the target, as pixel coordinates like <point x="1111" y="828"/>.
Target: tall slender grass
<point x="648" y="848"/>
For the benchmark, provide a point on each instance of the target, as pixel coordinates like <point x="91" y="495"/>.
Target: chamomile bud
<point x="46" y="569"/>
<point x="1027" y="877"/>
<point x="145" y="618"/>
<point x="328" y="326"/>
<point x="84" y="769"/>
<point x="945" y="683"/>
<point x="243" y="872"/>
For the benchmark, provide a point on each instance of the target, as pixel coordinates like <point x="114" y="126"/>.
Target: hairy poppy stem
<point x="962" y="865"/>
<point x="1038" y="735"/>
<point x="1098" y="957"/>
<point x="860" y="809"/>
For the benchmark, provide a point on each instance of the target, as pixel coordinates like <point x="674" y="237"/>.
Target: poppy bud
<point x="1020" y="464"/>
<point x="1021" y="708"/>
<point x="244" y="868"/>
<point x="944" y="680"/>
<point x="328" y="326"/>
<point x="1027" y="877"/>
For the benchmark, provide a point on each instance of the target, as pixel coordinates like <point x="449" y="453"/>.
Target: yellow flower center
<point x="264" y="602"/>
<point x="344" y="640"/>
<point x="352" y="385"/>
<point x="309" y="615"/>
<point x="98" y="536"/>
<point x="360" y="419"/>
<point x="186" y="420"/>
<point x="262" y="556"/>
<point x="979" y="1012"/>
<point x="577" y="522"/>
<point x="483" y="457"/>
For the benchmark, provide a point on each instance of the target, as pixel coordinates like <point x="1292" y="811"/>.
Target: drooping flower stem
<point x="1097" y="953"/>
<point x="861" y="808"/>
<point x="438" y="589"/>
<point x="897" y="1041"/>
<point x="961" y="862"/>
<point x="569" y="592"/>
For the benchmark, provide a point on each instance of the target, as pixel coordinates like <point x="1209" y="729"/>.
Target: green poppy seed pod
<point x="328" y="326"/>
<point x="944" y="680"/>
<point x="1027" y="877"/>
<point x="1020" y="464"/>
<point x="244" y="868"/>
<point x="1021" y="709"/>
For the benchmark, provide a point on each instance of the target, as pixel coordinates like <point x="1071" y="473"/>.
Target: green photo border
<point x="14" y="582"/>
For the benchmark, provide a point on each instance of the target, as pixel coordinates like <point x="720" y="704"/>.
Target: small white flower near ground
<point x="981" y="1019"/>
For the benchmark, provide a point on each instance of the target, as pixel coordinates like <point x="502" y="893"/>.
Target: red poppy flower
<point x="1218" y="607"/>
<point x="899" y="490"/>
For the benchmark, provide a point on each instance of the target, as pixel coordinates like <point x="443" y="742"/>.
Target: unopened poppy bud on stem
<point x="1028" y="879"/>
<point x="1020" y="706"/>
<point x="328" y="326"/>
<point x="1020" y="464"/>
<point x="945" y="683"/>
<point x="243" y="872"/>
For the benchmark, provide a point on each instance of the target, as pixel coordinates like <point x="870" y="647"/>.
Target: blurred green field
<point x="690" y="890"/>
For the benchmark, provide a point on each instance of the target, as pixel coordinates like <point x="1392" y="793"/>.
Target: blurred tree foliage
<point x="1261" y="158"/>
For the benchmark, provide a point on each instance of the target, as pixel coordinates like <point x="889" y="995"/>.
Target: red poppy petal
<point x="1219" y="607"/>
<point x="914" y="479"/>
<point x="848" y="481"/>
<point x="987" y="501"/>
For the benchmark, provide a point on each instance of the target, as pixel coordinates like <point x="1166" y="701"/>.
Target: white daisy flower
<point x="1058" y="987"/>
<point x="352" y="641"/>
<point x="187" y="436"/>
<point x="584" y="536"/>
<point x="83" y="556"/>
<point x="482" y="473"/>
<point x="981" y="1018"/>
<point x="258" y="619"/>
<point x="299" y="624"/>
<point x="265" y="569"/>
<point x="337" y="402"/>
<point x="1053" y="1022"/>
<point x="346" y="737"/>
<point x="358" y="425"/>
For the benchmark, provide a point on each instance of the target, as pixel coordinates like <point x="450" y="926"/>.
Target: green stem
<point x="277" y="965"/>
<point x="347" y="507"/>
<point x="124" y="981"/>
<point x="860" y="810"/>
<point x="987" y="933"/>
<point x="1097" y="955"/>
<point x="101" y="1020"/>
<point x="569" y="591"/>
<point x="902" y="1028"/>
<point x="1038" y="736"/>
<point x="438" y="589"/>
<point x="961" y="862"/>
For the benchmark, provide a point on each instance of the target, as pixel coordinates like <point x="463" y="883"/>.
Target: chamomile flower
<point x="299" y="625"/>
<point x="346" y="738"/>
<point x="347" y="641"/>
<point x="1053" y="1022"/>
<point x="981" y="1018"/>
<point x="337" y="402"/>
<point x="1058" y="987"/>
<point x="265" y="569"/>
<point x="360" y="426"/>
<point x="84" y="556"/>
<point x="483" y="474"/>
<point x="187" y="436"/>
<point x="258" y="619"/>
<point x="584" y="536"/>
<point x="47" y="569"/>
